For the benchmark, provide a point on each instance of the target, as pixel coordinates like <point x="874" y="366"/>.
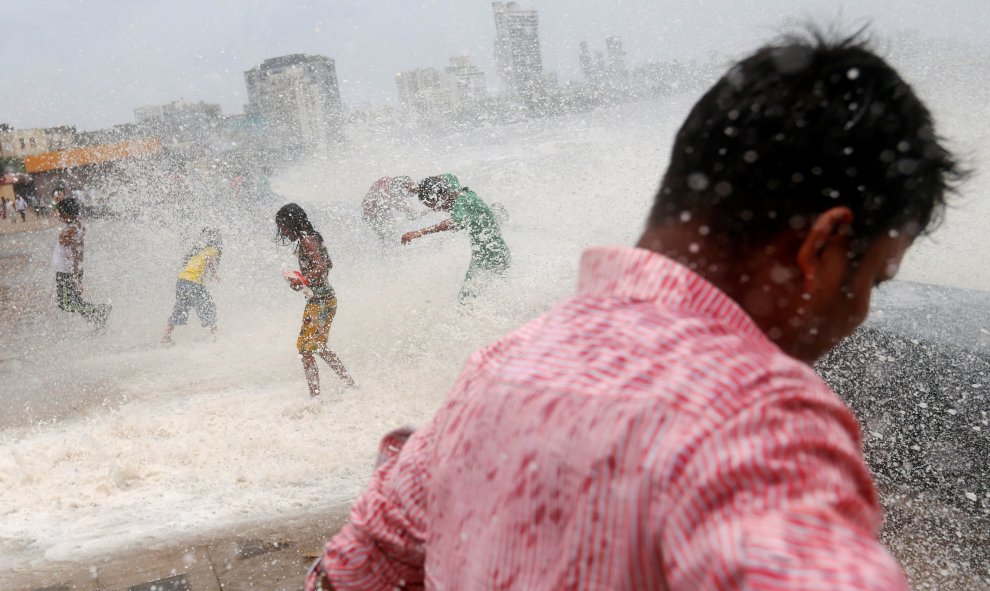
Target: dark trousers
<point x="70" y="300"/>
<point x="193" y="295"/>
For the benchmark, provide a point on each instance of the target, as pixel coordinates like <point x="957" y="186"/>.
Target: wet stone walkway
<point x="272" y="558"/>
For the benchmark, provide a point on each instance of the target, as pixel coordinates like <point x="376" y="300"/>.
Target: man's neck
<point x="691" y="245"/>
<point x="759" y="280"/>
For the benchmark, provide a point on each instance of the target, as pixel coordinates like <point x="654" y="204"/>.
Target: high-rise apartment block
<point x="179" y="122"/>
<point x="298" y="97"/>
<point x="604" y="69"/>
<point x="435" y="95"/>
<point x="517" y="50"/>
<point x="588" y="66"/>
<point x="469" y="80"/>
<point x="425" y="92"/>
<point x="616" y="56"/>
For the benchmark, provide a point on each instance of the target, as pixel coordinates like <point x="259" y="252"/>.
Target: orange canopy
<point x="90" y="155"/>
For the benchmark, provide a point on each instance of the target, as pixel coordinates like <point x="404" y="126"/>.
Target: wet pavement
<point x="272" y="557"/>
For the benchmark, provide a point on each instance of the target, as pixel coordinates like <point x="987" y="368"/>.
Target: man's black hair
<point x="798" y="128"/>
<point x="429" y="190"/>
<point x="68" y="206"/>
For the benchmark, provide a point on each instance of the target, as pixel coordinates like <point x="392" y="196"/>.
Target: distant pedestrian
<point x="36" y="206"/>
<point x="68" y="262"/>
<point x="3" y="208"/>
<point x="58" y="194"/>
<point x="20" y="206"/>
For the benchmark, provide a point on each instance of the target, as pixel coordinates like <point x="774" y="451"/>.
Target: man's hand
<point x="410" y="236"/>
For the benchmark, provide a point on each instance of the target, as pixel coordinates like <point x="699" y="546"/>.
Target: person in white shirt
<point x="67" y="259"/>
<point x="20" y="206"/>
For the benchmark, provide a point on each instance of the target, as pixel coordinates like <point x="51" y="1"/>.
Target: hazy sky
<point x="91" y="62"/>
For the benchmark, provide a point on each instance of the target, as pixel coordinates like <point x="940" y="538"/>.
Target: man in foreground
<point x="664" y="428"/>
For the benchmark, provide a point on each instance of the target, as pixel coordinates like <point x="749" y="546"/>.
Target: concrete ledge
<point x="271" y="556"/>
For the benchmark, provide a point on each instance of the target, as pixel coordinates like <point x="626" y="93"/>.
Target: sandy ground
<point x="33" y="222"/>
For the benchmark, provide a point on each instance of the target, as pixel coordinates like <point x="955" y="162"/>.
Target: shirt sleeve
<point x="777" y="498"/>
<point x="459" y="213"/>
<point x="382" y="545"/>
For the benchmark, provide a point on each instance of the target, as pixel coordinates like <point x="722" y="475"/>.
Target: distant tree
<point x="11" y="164"/>
<point x="6" y="128"/>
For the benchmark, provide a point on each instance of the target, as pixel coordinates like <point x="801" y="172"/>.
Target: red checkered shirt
<point x="644" y="434"/>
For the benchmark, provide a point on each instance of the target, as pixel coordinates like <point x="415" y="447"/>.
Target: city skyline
<point x="91" y="64"/>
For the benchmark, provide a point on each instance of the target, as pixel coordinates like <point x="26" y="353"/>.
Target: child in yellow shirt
<point x="202" y="262"/>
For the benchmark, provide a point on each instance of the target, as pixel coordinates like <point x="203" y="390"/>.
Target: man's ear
<point x="823" y="254"/>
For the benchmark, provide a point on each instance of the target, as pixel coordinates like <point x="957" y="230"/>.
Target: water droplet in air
<point x="697" y="181"/>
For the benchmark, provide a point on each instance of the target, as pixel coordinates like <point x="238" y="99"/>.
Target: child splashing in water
<point x="489" y="253"/>
<point x="67" y="260"/>
<point x="201" y="263"/>
<point x="314" y="266"/>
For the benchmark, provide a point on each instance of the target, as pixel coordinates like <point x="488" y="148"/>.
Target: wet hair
<point x="401" y="181"/>
<point x="212" y="237"/>
<point x="69" y="207"/>
<point x="800" y="127"/>
<point x="432" y="188"/>
<point x="207" y="237"/>
<point x="292" y="216"/>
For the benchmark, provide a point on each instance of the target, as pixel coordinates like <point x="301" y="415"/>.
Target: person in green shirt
<point x="489" y="253"/>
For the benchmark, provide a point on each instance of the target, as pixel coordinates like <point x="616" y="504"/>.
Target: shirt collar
<point x="637" y="274"/>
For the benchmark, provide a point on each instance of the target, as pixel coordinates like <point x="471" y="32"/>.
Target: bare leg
<point x="337" y="365"/>
<point x="213" y="332"/>
<point x="312" y="373"/>
<point x="167" y="337"/>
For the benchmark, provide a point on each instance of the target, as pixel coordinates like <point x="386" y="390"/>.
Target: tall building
<point x="435" y="96"/>
<point x="425" y="92"/>
<point x="587" y="63"/>
<point x="517" y="50"/>
<point x="469" y="79"/>
<point x="297" y="95"/>
<point x="616" y="57"/>
<point x="179" y="123"/>
<point x="18" y="143"/>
